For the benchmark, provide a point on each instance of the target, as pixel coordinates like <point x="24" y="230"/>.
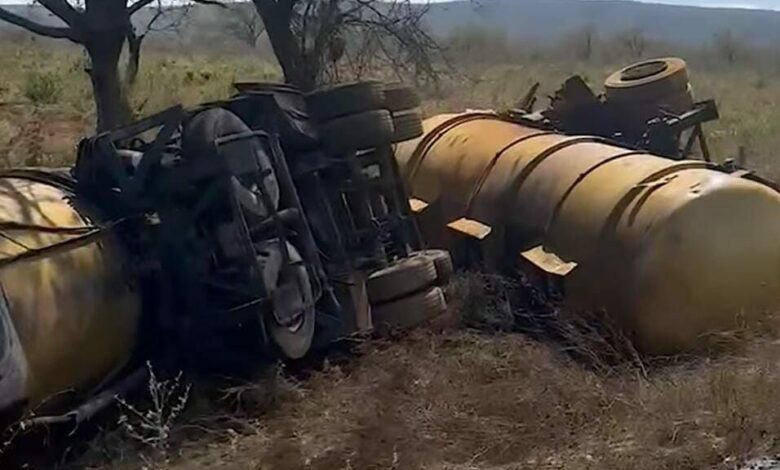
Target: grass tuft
<point x="42" y="87"/>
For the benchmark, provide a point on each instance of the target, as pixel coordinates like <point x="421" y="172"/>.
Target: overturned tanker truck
<point x="211" y="239"/>
<point x="600" y="200"/>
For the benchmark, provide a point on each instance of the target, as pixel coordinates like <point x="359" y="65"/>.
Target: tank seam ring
<point x="429" y="140"/>
<point x="493" y="162"/>
<point x="650" y="189"/>
<point x="539" y="158"/>
<point x="554" y="216"/>
<point x="635" y="190"/>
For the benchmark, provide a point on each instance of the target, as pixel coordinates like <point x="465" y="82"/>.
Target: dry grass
<point x="456" y="399"/>
<point x="45" y="130"/>
<point x="748" y="97"/>
<point x="461" y="400"/>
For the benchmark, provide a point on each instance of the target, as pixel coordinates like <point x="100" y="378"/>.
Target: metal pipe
<point x="676" y="252"/>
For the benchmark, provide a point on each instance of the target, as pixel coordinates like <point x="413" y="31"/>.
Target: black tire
<point x="265" y="87"/>
<point x="357" y="131"/>
<point x="398" y="97"/>
<point x="198" y="137"/>
<point x="290" y="342"/>
<point x="442" y="260"/>
<point x="407" y="125"/>
<point x="400" y="279"/>
<point x="408" y="312"/>
<point x="343" y="100"/>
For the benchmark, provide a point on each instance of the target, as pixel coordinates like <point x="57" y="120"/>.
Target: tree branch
<point x="135" y="7"/>
<point x="37" y="28"/>
<point x="216" y="3"/>
<point x="62" y="10"/>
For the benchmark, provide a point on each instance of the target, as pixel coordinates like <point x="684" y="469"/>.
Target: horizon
<point x="740" y="4"/>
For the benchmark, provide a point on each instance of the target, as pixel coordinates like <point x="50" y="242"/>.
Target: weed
<point x="152" y="427"/>
<point x="485" y="301"/>
<point x="42" y="87"/>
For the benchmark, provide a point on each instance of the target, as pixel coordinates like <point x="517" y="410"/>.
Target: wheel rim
<point x="294" y="340"/>
<point x="296" y="325"/>
<point x="644" y="70"/>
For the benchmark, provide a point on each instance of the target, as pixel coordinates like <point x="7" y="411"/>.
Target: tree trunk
<point x="111" y="103"/>
<point x="133" y="58"/>
<point x="287" y="50"/>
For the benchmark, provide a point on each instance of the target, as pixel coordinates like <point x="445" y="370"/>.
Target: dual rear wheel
<point x="409" y="293"/>
<point x="365" y="115"/>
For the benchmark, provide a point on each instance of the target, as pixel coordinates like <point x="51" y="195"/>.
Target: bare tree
<point x="581" y="43"/>
<point x="727" y="46"/>
<point x="243" y="23"/>
<point x="311" y="37"/>
<point x="168" y="17"/>
<point x="633" y="41"/>
<point x="101" y="27"/>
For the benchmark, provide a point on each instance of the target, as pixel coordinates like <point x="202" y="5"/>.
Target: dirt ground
<point x="454" y="398"/>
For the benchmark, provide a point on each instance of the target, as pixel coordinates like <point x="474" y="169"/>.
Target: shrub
<point x="42" y="87"/>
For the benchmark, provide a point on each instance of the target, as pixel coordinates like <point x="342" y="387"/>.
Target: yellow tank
<point x="68" y="316"/>
<point x="674" y="251"/>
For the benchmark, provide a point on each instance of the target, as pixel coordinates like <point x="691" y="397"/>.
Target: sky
<point x="761" y="4"/>
<point x="753" y="4"/>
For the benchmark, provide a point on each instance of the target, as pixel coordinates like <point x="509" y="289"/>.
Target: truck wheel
<point x="442" y="260"/>
<point x="398" y="97"/>
<point x="400" y="279"/>
<point x="407" y="125"/>
<point x="408" y="312"/>
<point x="198" y="137"/>
<point x="292" y="341"/>
<point x="353" y="98"/>
<point x="357" y="131"/>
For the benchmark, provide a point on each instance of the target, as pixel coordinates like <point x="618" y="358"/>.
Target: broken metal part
<point x="528" y="101"/>
<point x="575" y="109"/>
<point x="664" y="133"/>
<point x="92" y="406"/>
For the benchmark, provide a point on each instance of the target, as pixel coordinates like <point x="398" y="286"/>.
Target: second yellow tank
<point x="677" y="252"/>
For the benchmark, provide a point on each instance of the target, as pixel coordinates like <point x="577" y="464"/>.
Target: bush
<point x="42" y="87"/>
<point x="485" y="301"/>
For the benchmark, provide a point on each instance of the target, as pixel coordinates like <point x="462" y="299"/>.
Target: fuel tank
<point x="68" y="314"/>
<point x="676" y="252"/>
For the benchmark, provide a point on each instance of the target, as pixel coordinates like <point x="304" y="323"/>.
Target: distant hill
<point x="550" y="19"/>
<point x="541" y="20"/>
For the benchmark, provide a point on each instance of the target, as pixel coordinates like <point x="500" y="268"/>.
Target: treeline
<point x="478" y="46"/>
